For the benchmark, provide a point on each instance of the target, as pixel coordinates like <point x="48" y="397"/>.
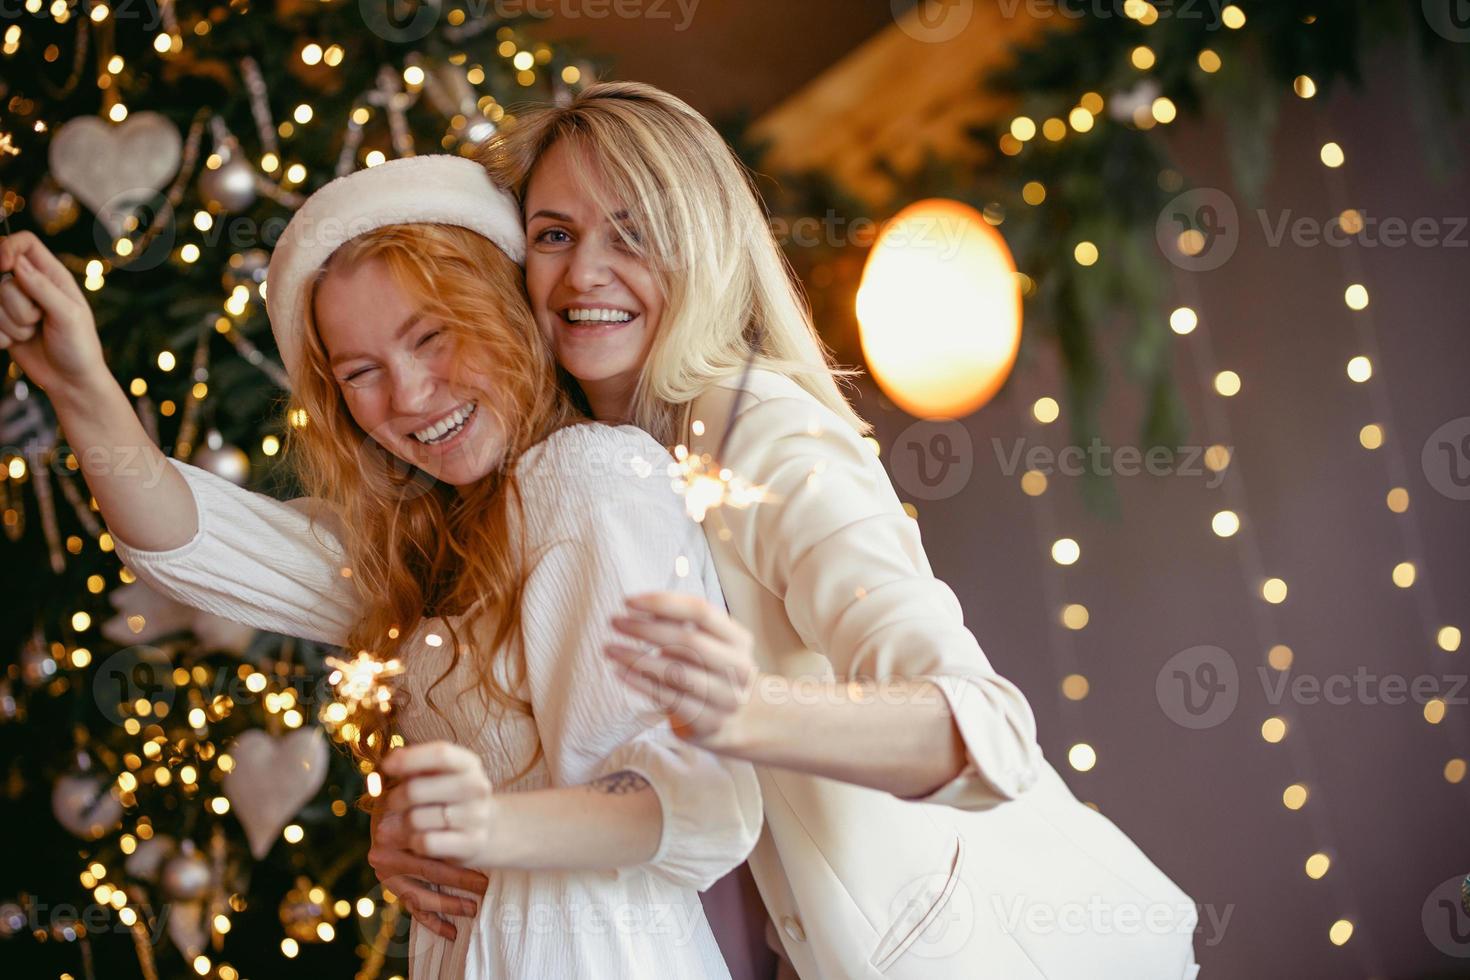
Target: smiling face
<point x="596" y="300"/>
<point x="394" y="364"/>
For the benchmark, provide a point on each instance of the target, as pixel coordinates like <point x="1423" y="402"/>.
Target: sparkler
<point x="363" y="685"/>
<point x="703" y="480"/>
<point x="361" y="681"/>
<point x="704" y="484"/>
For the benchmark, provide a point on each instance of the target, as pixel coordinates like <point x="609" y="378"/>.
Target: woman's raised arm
<point x="193" y="536"/>
<point x="49" y="329"/>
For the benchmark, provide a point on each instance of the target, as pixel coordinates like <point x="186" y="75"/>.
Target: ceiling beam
<point x="899" y="95"/>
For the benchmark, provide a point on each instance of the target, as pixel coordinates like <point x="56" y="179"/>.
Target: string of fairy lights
<point x="1305" y="794"/>
<point x="230" y="179"/>
<point x="1146" y="110"/>
<point x="1146" y="107"/>
<point x="1071" y="617"/>
<point x="1384" y="438"/>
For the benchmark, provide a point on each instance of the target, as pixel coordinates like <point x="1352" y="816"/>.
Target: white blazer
<point x="1002" y="873"/>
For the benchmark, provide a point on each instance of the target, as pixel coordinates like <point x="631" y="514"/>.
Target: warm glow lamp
<point x="939" y="310"/>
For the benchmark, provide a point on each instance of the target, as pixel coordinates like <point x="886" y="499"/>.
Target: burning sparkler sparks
<point x="362" y="681"/>
<point x="704" y="484"/>
<point x="362" y="684"/>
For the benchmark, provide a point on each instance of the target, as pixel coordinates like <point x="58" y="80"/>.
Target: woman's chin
<point x="466" y="465"/>
<point x="470" y="457"/>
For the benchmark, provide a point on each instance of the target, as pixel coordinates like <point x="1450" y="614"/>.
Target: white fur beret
<point x="435" y="189"/>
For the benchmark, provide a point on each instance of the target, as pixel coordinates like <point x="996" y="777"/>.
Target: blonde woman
<point x="913" y="827"/>
<point x="489" y="539"/>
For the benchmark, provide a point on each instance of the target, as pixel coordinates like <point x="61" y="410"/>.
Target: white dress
<point x="603" y="523"/>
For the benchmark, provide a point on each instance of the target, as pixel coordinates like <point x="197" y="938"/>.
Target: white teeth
<point x="598" y="316"/>
<point x="446" y="426"/>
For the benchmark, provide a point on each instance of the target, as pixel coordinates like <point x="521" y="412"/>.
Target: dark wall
<point x="1206" y="804"/>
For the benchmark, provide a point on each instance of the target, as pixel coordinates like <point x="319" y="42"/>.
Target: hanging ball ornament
<point x="304" y="910"/>
<point x="230" y="186"/>
<point x="146" y="861"/>
<point x="85" y="805"/>
<point x="186" y="875"/>
<point x="54" y="208"/>
<point x="223" y="459"/>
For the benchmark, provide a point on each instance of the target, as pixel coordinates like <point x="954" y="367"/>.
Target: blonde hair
<point x="417" y="548"/>
<point x="696" y="216"/>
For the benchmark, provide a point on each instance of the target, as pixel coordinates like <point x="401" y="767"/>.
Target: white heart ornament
<point x="112" y="168"/>
<point x="144" y="615"/>
<point x="273" y="778"/>
<point x="186" y="927"/>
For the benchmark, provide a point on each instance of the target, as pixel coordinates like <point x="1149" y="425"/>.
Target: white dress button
<point x="791" y="925"/>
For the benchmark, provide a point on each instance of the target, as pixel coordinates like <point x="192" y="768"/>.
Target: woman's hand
<point x="44" y="318"/>
<point x="442" y="804"/>
<point x="702" y="674"/>
<point x="409" y="877"/>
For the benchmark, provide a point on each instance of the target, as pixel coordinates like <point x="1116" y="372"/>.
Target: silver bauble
<point x="230" y="186"/>
<point x="223" y="459"/>
<point x="186" y="876"/>
<point x="146" y="861"/>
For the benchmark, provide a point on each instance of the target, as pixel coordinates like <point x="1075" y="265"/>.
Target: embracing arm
<point x="612" y="822"/>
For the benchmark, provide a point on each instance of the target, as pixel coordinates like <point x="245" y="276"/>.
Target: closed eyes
<point x="429" y="340"/>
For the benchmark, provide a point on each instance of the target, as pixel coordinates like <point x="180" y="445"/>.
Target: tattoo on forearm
<point x="618" y="783"/>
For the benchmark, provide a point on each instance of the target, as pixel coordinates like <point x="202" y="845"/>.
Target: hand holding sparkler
<point x="363" y="685"/>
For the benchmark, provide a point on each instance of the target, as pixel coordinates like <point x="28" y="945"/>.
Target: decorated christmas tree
<point x="173" y="803"/>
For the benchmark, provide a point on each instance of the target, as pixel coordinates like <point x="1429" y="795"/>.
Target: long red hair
<point x="418" y="548"/>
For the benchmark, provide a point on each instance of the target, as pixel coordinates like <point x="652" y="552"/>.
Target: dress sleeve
<point x="271" y="565"/>
<point x="834" y="543"/>
<point x="603" y="533"/>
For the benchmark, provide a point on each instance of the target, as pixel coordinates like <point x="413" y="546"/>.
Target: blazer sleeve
<point x="833" y="542"/>
<point x="605" y="533"/>
<point x="269" y="564"/>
